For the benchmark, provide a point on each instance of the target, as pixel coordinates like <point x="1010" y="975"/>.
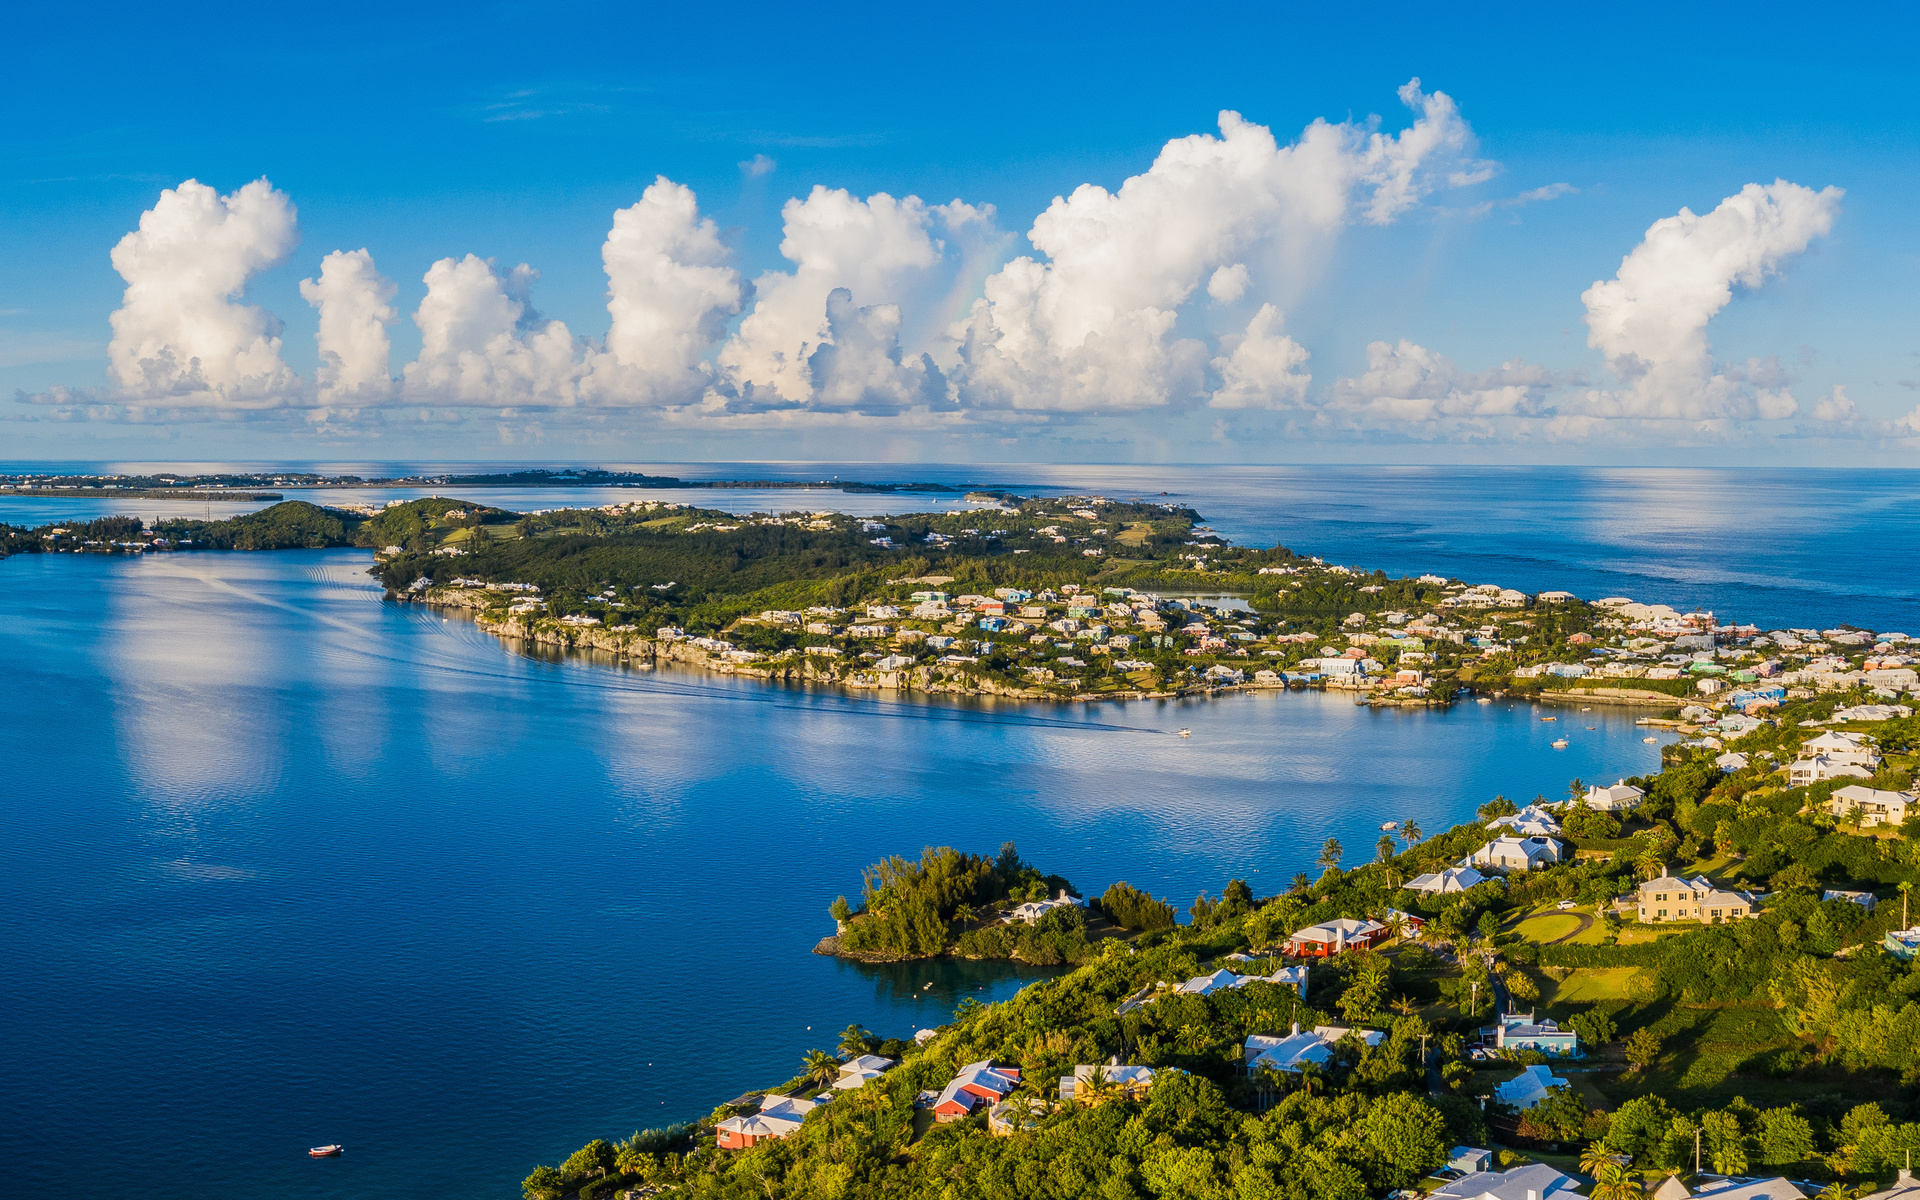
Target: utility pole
<point x="1696" y="1151"/>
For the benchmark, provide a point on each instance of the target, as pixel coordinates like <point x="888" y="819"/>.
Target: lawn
<point x="1547" y="927"/>
<point x="1589" y="985"/>
<point x="1711" y="1055"/>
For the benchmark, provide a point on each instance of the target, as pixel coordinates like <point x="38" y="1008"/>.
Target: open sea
<point x="284" y="864"/>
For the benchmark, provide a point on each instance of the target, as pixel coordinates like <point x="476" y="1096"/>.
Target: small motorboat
<point x="325" y="1152"/>
<point x="1186" y="733"/>
<point x="1559" y="743"/>
<point x="1588" y="708"/>
<point x="1484" y="700"/>
<point x="1649" y="740"/>
<point x="1389" y="826"/>
<point x="1549" y="718"/>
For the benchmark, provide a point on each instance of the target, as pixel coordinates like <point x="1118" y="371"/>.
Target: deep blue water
<point x="286" y="864"/>
<point x="1778" y="547"/>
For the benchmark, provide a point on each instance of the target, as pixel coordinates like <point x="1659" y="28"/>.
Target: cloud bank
<point x="1157" y="296"/>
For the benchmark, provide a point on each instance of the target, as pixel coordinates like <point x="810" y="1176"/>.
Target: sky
<point x="1065" y="233"/>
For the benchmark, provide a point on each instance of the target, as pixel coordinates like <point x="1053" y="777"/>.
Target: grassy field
<point x="1590" y="985"/>
<point x="1548" y="926"/>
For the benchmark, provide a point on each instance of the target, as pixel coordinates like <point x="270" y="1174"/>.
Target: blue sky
<point x="513" y="133"/>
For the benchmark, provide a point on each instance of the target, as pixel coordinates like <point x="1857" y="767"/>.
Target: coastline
<point x="927" y="679"/>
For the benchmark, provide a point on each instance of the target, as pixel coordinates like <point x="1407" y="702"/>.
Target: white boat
<point x="1484" y="700"/>
<point x="1389" y="826"/>
<point x="1559" y="743"/>
<point x="1649" y="740"/>
<point x="1186" y="733"/>
<point x="325" y="1152"/>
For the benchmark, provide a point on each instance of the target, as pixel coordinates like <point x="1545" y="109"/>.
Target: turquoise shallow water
<point x="286" y="864"/>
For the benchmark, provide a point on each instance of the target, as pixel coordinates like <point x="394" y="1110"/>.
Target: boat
<point x="325" y="1152"/>
<point x="1549" y="718"/>
<point x="1186" y="733"/>
<point x="1649" y="740"/>
<point x="1389" y="826"/>
<point x="1484" y="700"/>
<point x="1588" y="708"/>
<point x="1559" y="743"/>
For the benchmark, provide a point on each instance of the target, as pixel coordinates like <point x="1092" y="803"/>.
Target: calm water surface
<point x="285" y="864"/>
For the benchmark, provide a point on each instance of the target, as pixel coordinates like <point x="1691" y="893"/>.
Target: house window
<point x="1662" y="913"/>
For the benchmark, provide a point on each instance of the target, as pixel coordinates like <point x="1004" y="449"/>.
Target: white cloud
<point x="180" y="338"/>
<point x="1410" y="383"/>
<point x="1907" y="426"/>
<point x="1091" y="328"/>
<point x="353" y="300"/>
<point x="481" y="343"/>
<point x="1835" y="407"/>
<point x="860" y="368"/>
<point x="1650" y="320"/>
<point x="1230" y="283"/>
<point x="758" y="165"/>
<point x="881" y="250"/>
<point x="669" y="294"/>
<point x="1263" y="368"/>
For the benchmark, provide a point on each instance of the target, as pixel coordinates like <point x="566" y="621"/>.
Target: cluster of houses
<point x="1537" y="1181"/>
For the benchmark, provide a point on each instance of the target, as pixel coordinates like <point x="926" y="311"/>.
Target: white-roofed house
<point x="1130" y="1082"/>
<point x="1535" y="1181"/>
<point x="1805" y="772"/>
<point x="1670" y="898"/>
<point x="1877" y="806"/>
<point x="778" y="1117"/>
<point x="1438" y="883"/>
<point x="1531" y="821"/>
<point x="1905" y="1187"/>
<point x="1518" y="854"/>
<point x="1335" y="936"/>
<point x="1777" y="1188"/>
<point x="1528" y="1088"/>
<point x="1519" y="1031"/>
<point x="858" y="1071"/>
<point x="975" y="1084"/>
<point x="1289" y="1051"/>
<point x="1033" y="910"/>
<point x="1621" y="797"/>
<point x="1841" y="746"/>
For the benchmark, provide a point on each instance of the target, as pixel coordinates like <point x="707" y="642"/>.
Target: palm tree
<point x="1309" y="1071"/>
<point x="1594" y="1157"/>
<point x="855" y="1041"/>
<point x="1612" y="1182"/>
<point x="1836" y="1191"/>
<point x="1905" y="888"/>
<point x="1410" y="832"/>
<point x="824" y="1068"/>
<point x="1330" y="853"/>
<point x="1301" y="882"/>
<point x="1095" y="1087"/>
<point x="1404" y="1005"/>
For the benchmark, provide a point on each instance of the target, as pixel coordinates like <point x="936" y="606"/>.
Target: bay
<point x="287" y="864"/>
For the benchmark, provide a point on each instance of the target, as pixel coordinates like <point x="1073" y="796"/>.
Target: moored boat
<point x="325" y="1152"/>
<point x="1559" y="743"/>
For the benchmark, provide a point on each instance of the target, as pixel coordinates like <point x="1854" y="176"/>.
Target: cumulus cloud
<point x="1263" y="367"/>
<point x="1835" y="407"/>
<point x="482" y="343"/>
<point x="1230" y="283"/>
<point x="878" y="250"/>
<point x="1405" y="382"/>
<point x="1651" y="319"/>
<point x="670" y="293"/>
<point x="1091" y="329"/>
<point x="181" y="337"/>
<point x="353" y="300"/>
<point x="859" y="368"/>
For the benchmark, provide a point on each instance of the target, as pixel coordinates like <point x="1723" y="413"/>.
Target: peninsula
<point x="1068" y="598"/>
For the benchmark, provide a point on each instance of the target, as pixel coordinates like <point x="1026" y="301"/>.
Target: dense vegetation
<point x="289" y="525"/>
<point x="916" y="909"/>
<point x="1788" y="1043"/>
